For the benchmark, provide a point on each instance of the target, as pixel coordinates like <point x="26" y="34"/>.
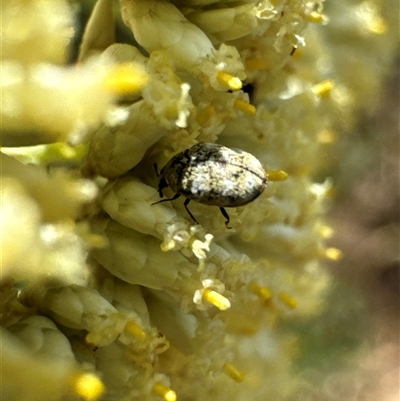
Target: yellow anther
<point x="126" y="78"/>
<point x="135" y="330"/>
<point x="317" y="17"/>
<point x="229" y="80"/>
<point x="163" y="391"/>
<point x="256" y="64"/>
<point x="167" y="246"/>
<point x="262" y="292"/>
<point x="333" y="254"/>
<point x="377" y="25"/>
<point x="326" y="136"/>
<point x="368" y="17"/>
<point x="323" y="88"/>
<point x="326" y="231"/>
<point x="95" y="240"/>
<point x="216" y="299"/>
<point x="205" y="115"/>
<point x="289" y="301"/>
<point x="88" y="386"/>
<point x="277" y="175"/>
<point x="236" y="375"/>
<point x="244" y="106"/>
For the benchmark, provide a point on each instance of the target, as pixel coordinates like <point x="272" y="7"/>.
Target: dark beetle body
<point x="214" y="175"/>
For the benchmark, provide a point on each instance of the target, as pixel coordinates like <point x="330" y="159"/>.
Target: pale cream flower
<point x="106" y="294"/>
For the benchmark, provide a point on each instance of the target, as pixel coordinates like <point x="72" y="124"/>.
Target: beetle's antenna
<point x="187" y="200"/>
<point x="176" y="196"/>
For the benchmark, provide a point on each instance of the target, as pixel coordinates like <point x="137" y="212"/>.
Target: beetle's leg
<point x="161" y="185"/>
<point x="189" y="212"/>
<point x="226" y="215"/>
<point x="176" y="196"/>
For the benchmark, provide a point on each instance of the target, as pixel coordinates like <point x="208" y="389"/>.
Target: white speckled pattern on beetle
<point x="215" y="175"/>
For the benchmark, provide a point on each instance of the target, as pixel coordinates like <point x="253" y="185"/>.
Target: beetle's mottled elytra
<point x="214" y="175"/>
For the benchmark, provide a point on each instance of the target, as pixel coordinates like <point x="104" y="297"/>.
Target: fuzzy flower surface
<point x="107" y="294"/>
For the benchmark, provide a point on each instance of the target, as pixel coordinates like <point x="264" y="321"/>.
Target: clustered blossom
<point x="106" y="296"/>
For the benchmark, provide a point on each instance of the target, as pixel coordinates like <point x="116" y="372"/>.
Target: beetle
<point x="214" y="175"/>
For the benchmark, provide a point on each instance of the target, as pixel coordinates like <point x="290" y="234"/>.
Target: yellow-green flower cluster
<point x="104" y="294"/>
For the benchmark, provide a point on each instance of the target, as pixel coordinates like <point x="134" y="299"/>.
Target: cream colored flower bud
<point x="81" y="308"/>
<point x="129" y="201"/>
<point x="159" y="25"/>
<point x="26" y="377"/>
<point x="111" y="361"/>
<point x="225" y="24"/>
<point x="43" y="339"/>
<point x="62" y="102"/>
<point x="137" y="258"/>
<point x="179" y="326"/>
<point x="100" y="30"/>
<point x="115" y="150"/>
<point x="36" y="31"/>
<point x="67" y="193"/>
<point x="125" y="297"/>
<point x="124" y="53"/>
<point x="19" y="219"/>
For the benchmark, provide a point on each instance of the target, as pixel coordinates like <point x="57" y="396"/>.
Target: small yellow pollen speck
<point x="164" y="391"/>
<point x="135" y="330"/>
<point x="236" y="375"/>
<point x="317" y="17"/>
<point x="88" y="386"/>
<point x="216" y="299"/>
<point x="256" y="64"/>
<point x="245" y="107"/>
<point x="333" y="254"/>
<point x="326" y="136"/>
<point x="229" y="80"/>
<point x="326" y="231"/>
<point x="263" y="292"/>
<point x="323" y="88"/>
<point x="126" y="78"/>
<point x="288" y="300"/>
<point x="205" y="114"/>
<point x="277" y="175"/>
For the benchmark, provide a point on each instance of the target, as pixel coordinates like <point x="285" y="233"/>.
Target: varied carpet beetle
<point x="214" y="175"/>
